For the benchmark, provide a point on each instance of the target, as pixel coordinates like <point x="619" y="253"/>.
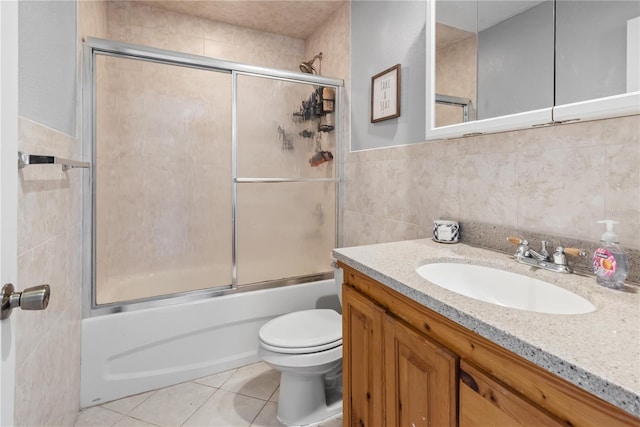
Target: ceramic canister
<point x="446" y="231"/>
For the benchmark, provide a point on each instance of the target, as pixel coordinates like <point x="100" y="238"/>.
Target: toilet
<point x="306" y="347"/>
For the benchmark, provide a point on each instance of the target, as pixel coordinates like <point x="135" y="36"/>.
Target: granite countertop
<point x="598" y="351"/>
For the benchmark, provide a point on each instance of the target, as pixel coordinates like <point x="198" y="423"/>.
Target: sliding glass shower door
<point x="286" y="179"/>
<point x="163" y="179"/>
<point x="208" y="177"/>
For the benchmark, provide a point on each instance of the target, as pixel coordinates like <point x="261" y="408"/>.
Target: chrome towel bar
<point x="25" y="160"/>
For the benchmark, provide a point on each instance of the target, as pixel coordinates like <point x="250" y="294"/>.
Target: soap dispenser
<point x="610" y="263"/>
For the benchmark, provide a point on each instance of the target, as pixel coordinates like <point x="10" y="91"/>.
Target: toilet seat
<point x="307" y="331"/>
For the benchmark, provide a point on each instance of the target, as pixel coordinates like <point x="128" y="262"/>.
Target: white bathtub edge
<point x="133" y="352"/>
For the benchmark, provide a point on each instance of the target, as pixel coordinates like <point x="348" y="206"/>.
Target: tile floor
<point x="245" y="396"/>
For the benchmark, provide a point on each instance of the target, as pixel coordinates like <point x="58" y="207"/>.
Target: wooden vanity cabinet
<point x="405" y="365"/>
<point x="486" y="402"/>
<point x="362" y="358"/>
<point x="396" y="376"/>
<point x="420" y="378"/>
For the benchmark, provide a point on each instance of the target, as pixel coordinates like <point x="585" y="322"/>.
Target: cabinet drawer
<point x="485" y="401"/>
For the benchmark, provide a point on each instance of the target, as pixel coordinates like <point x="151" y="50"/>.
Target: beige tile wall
<point x="558" y="180"/>
<point x="150" y="26"/>
<point x="49" y="251"/>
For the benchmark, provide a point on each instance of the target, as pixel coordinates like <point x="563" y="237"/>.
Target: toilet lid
<point x="303" y="329"/>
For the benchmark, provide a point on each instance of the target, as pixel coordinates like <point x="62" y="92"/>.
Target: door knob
<point x="34" y="298"/>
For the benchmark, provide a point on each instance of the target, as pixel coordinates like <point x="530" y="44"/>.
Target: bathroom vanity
<point x="417" y="354"/>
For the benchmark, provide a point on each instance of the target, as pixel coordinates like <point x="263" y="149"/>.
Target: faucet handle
<point x="575" y="252"/>
<point x="523" y="246"/>
<point x="516" y="241"/>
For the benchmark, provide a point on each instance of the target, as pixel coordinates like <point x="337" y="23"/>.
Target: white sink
<point x="504" y="288"/>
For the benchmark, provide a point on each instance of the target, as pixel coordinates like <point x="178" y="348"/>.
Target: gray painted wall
<point x="515" y="63"/>
<point x="383" y="34"/>
<point x="47" y="63"/>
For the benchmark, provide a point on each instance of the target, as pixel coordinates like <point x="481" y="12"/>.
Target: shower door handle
<point x="34" y="298"/>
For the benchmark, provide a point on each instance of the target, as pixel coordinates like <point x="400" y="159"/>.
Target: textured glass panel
<point x="163" y="179"/>
<point x="285" y="230"/>
<point x="278" y="137"/>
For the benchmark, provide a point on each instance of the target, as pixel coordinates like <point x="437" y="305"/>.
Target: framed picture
<point x="385" y="95"/>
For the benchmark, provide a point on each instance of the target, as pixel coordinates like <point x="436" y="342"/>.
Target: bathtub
<point x="132" y="352"/>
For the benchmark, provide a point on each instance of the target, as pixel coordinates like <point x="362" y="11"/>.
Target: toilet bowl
<point x="306" y="347"/>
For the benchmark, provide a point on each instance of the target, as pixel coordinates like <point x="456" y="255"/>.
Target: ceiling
<point x="293" y="18"/>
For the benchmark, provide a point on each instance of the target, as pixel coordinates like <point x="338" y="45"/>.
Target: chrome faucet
<point x="556" y="262"/>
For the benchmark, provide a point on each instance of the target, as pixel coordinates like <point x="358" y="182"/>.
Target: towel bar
<point x="25" y="160"/>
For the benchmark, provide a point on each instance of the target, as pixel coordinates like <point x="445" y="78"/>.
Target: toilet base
<point x="302" y="400"/>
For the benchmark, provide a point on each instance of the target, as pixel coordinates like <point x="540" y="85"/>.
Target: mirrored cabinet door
<point x="491" y="65"/>
<point x="455" y="63"/>
<point x="515" y="57"/>
<point x="504" y="65"/>
<point x="597" y="59"/>
<point x="451" y="68"/>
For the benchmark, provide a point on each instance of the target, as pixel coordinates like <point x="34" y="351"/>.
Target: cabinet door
<point x="486" y="402"/>
<point x="362" y="360"/>
<point x="420" y="383"/>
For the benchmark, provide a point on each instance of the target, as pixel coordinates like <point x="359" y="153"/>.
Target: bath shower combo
<point x="197" y="231"/>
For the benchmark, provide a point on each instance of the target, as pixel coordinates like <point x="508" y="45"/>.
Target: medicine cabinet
<point x="496" y="65"/>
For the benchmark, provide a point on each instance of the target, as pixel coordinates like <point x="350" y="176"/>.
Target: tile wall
<point x="150" y="26"/>
<point x="49" y="251"/>
<point x="557" y="180"/>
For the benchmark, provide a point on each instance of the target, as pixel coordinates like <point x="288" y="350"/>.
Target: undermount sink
<point x="504" y="288"/>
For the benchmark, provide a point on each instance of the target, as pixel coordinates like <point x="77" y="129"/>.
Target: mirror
<point x="494" y="57"/>
<point x="597" y="49"/>
<point x="493" y="65"/>
<point x="456" y="62"/>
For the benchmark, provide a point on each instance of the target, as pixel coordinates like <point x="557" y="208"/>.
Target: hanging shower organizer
<point x="319" y="106"/>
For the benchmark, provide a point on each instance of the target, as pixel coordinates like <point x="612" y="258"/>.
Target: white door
<point x="8" y="194"/>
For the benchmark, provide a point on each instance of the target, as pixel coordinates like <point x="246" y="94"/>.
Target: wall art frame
<point x="385" y="94"/>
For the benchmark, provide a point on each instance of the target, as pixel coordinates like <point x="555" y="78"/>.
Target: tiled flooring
<point x="245" y="396"/>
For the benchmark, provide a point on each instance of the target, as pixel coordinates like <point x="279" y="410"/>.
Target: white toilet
<point x="306" y="347"/>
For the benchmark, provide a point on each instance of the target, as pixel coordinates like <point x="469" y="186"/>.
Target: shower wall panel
<point x="146" y="25"/>
<point x="163" y="179"/>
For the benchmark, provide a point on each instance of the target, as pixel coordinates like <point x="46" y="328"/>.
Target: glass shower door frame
<point x="239" y="181"/>
<point x="94" y="47"/>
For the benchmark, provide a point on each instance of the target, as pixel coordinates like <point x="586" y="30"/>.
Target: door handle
<point x="34" y="298"/>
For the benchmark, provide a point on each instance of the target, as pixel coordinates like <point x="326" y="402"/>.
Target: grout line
<point x="274" y="392"/>
<point x="140" y="419"/>
<point x="119" y="419"/>
<point x="258" y="414"/>
<point x="215" y="391"/>
<point x="143" y="400"/>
